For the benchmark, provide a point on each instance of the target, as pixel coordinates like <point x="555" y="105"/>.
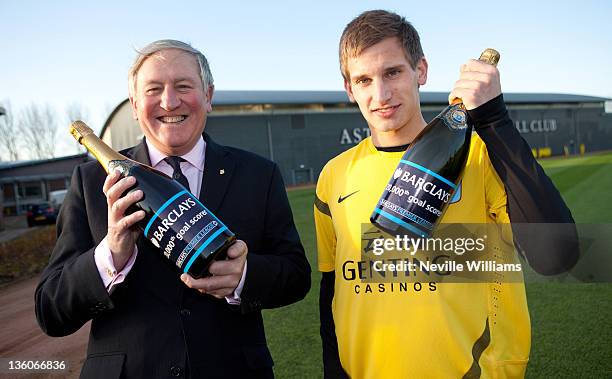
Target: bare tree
<point x="76" y="111"/>
<point x="9" y="133"/>
<point x="38" y="124"/>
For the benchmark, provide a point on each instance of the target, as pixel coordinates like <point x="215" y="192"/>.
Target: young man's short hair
<point x="370" y="28"/>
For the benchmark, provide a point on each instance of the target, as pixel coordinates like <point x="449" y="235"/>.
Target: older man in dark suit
<point x="149" y="321"/>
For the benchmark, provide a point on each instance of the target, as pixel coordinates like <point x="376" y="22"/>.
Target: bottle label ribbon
<point x="182" y="228"/>
<point x="414" y="198"/>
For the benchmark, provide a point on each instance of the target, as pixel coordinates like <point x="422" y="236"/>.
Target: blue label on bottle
<point x="415" y="198"/>
<point x="182" y="228"/>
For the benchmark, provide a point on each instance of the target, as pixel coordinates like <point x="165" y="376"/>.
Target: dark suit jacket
<point x="152" y="325"/>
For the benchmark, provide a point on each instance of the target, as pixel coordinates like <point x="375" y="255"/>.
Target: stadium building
<point x="302" y="130"/>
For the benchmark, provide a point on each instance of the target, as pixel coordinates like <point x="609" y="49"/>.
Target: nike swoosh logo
<point x="341" y="199"/>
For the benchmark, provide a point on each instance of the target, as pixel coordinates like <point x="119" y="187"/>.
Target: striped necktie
<point x="175" y="163"/>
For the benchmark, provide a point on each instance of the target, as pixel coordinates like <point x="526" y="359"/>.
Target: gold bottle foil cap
<point x="79" y="129"/>
<point x="490" y="56"/>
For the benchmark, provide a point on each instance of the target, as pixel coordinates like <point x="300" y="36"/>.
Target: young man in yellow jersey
<point x="426" y="330"/>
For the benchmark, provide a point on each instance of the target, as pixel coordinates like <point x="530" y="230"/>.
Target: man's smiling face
<point x="386" y="88"/>
<point x="170" y="102"/>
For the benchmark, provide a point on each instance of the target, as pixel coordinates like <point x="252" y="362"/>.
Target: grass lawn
<point x="571" y="323"/>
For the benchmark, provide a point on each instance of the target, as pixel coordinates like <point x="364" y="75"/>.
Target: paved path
<point x="14" y="226"/>
<point x="21" y="338"/>
<point x="9" y="234"/>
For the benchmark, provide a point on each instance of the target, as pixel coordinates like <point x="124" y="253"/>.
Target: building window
<point x="56" y="184"/>
<point x="30" y="189"/>
<point x="9" y="192"/>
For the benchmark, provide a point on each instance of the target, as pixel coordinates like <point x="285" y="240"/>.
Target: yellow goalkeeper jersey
<point x="414" y="329"/>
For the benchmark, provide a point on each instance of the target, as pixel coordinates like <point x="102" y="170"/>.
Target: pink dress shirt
<point x="193" y="169"/>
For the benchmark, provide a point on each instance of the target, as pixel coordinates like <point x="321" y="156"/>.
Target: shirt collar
<point x="195" y="156"/>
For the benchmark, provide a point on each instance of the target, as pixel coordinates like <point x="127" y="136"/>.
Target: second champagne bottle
<point x="427" y="178"/>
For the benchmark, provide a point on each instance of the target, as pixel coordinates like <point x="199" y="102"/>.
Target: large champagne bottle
<point x="181" y="227"/>
<point x="428" y="175"/>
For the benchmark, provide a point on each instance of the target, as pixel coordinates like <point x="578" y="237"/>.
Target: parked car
<point x="41" y="213"/>
<point x="57" y="197"/>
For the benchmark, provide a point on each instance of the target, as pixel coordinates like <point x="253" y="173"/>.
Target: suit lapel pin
<point x="221" y="172"/>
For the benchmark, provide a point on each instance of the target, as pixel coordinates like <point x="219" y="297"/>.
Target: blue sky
<point x="60" y="52"/>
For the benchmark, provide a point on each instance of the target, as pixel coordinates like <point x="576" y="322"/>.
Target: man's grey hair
<point x="164" y="44"/>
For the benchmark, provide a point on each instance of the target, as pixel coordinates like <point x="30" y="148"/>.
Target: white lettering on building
<point x="536" y="126"/>
<point x="353" y="136"/>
